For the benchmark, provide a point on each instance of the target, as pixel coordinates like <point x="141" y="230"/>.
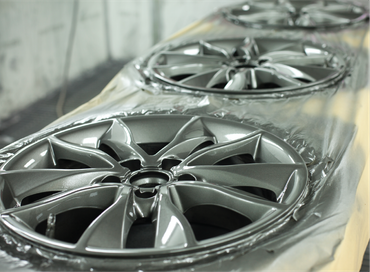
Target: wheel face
<point x="246" y="66"/>
<point x="296" y="14"/>
<point x="150" y="185"/>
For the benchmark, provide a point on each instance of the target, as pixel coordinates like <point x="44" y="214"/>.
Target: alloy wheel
<point x="150" y="185"/>
<point x="295" y="14"/>
<point x="245" y="66"/>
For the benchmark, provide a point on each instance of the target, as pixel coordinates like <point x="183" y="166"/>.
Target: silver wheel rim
<point x="181" y="173"/>
<point x="246" y="66"/>
<point x="296" y="14"/>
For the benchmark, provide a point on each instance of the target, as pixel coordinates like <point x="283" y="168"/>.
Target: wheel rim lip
<point x="218" y="241"/>
<point x="329" y="81"/>
<point x="235" y="237"/>
<point x="179" y="87"/>
<point x="228" y="15"/>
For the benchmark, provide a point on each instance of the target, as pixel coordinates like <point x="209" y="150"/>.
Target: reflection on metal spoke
<point x="296" y="14"/>
<point x="150" y="185"/>
<point x="246" y="66"/>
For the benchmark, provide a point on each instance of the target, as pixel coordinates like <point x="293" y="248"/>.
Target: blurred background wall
<point x="45" y="42"/>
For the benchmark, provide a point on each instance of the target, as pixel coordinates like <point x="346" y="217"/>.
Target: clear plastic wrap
<point x="327" y="126"/>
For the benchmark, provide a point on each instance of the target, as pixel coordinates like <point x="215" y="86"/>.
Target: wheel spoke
<point x="120" y="139"/>
<point x="317" y="73"/>
<point x="91" y="157"/>
<point x="192" y="194"/>
<point x="183" y="149"/>
<point x="294" y="58"/>
<point x="238" y="82"/>
<point x="265" y="16"/>
<point x="220" y="151"/>
<point x="327" y="8"/>
<point x="174" y="58"/>
<point x="212" y="49"/>
<point x="248" y="48"/>
<point x="217" y="78"/>
<point x="186" y="71"/>
<point x="310" y="50"/>
<point x="289" y="71"/>
<point x="172" y="228"/>
<point x="190" y="136"/>
<point x="99" y="197"/>
<point x="244" y="79"/>
<point x="266" y="76"/>
<point x="273" y="177"/>
<point x="23" y="183"/>
<point x="228" y="46"/>
<point x="200" y="79"/>
<point x="267" y="45"/>
<point x="345" y="11"/>
<point x="321" y="17"/>
<point x="252" y="78"/>
<point x="111" y="228"/>
<point x="189" y="49"/>
<point x="37" y="156"/>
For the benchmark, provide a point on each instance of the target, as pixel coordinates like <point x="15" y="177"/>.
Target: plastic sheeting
<point x="327" y="126"/>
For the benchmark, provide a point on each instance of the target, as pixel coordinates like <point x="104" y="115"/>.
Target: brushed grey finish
<point x="246" y="66"/>
<point x="157" y="168"/>
<point x="295" y="14"/>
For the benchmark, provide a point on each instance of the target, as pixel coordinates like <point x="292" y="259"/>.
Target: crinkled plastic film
<point x="327" y="125"/>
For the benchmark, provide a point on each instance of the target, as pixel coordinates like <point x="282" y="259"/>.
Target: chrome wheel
<point x="150" y="185"/>
<point x="246" y="66"/>
<point x="296" y="14"/>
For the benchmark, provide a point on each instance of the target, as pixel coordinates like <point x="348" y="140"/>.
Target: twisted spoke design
<point x="24" y="183"/>
<point x="238" y="81"/>
<point x="173" y="58"/>
<point x="206" y="48"/>
<point x="277" y="77"/>
<point x="172" y="228"/>
<point x="115" y="220"/>
<point x="191" y="135"/>
<point x="120" y="139"/>
<point x="218" y="77"/>
<point x="274" y="177"/>
<point x="98" y="197"/>
<point x="190" y="194"/>
<point x="54" y="178"/>
<point x="91" y="157"/>
<point x="321" y="17"/>
<point x="342" y="11"/>
<point x="289" y="71"/>
<point x="217" y="152"/>
<point x="295" y="58"/>
<point x="200" y="79"/>
<point x="270" y="17"/>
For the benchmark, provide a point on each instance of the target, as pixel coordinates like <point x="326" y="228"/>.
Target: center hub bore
<point x="149" y="179"/>
<point x="244" y="63"/>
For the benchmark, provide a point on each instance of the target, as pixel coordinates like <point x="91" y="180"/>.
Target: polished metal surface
<point x="296" y="14"/>
<point x="246" y="66"/>
<point x="159" y="184"/>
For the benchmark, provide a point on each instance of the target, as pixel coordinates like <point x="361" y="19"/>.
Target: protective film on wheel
<point x="319" y="126"/>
